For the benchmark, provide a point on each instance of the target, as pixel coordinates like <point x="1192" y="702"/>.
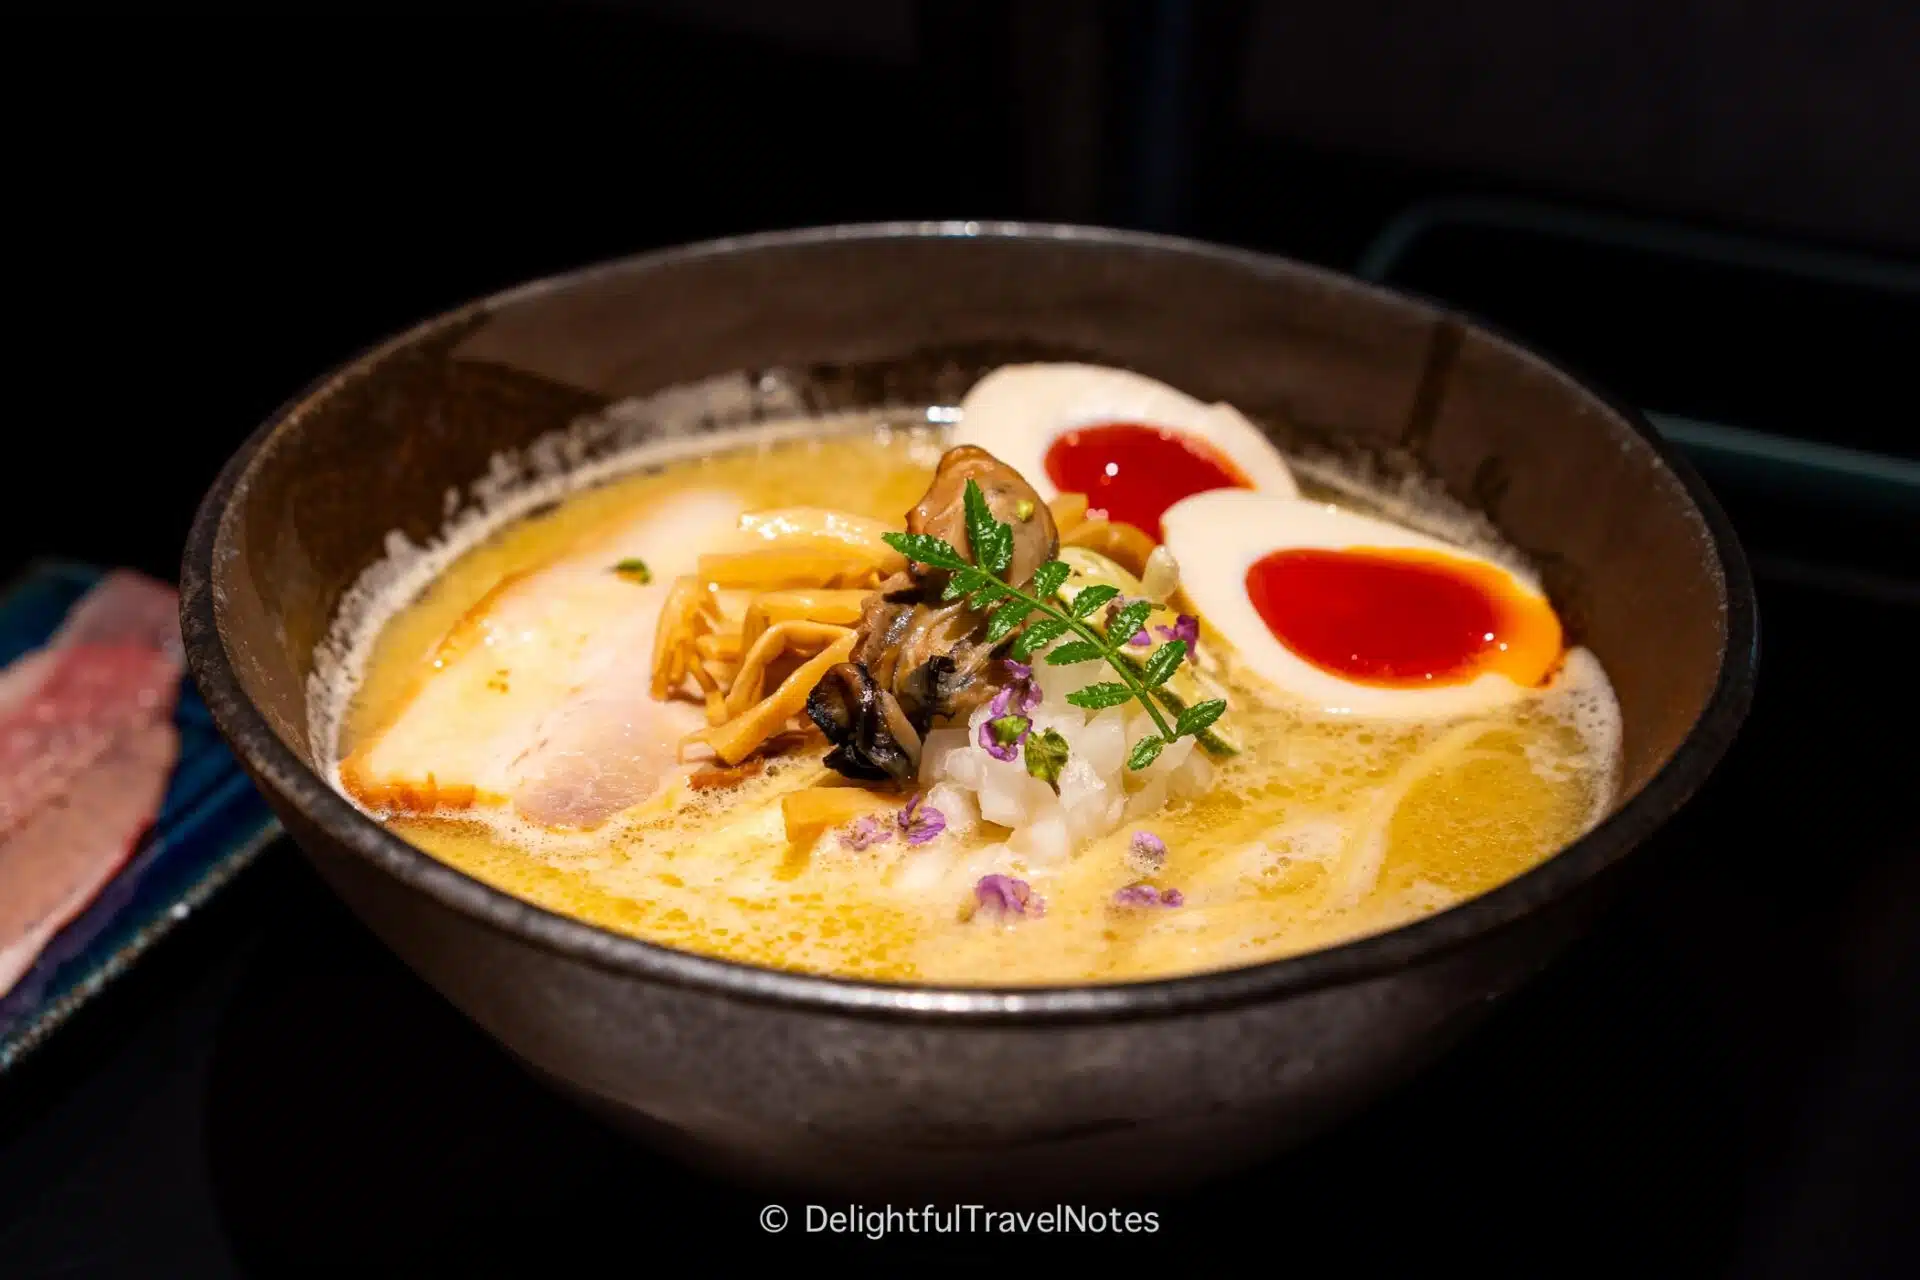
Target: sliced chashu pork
<point x="538" y="698"/>
<point x="87" y="745"/>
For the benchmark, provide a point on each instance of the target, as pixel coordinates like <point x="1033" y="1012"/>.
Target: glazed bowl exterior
<point x="871" y="1088"/>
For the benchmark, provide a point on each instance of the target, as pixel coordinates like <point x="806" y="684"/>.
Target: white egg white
<point x="1217" y="537"/>
<point x="1018" y="411"/>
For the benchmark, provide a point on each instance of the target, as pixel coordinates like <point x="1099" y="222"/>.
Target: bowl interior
<point x="1646" y="575"/>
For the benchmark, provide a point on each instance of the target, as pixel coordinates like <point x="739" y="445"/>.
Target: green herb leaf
<point x="1074" y="651"/>
<point x="988" y="595"/>
<point x="992" y="542"/>
<point x="635" y="568"/>
<point x="1162" y="662"/>
<point x="924" y="548"/>
<point x="1096" y="696"/>
<point x="1006" y="618"/>
<point x="962" y="581"/>
<point x="1000" y="549"/>
<point x="1048" y="577"/>
<point x="1198" y="716"/>
<point x="1145" y="751"/>
<point x="1091" y="598"/>
<point x="983" y="582"/>
<point x="1046" y="754"/>
<point x="1007" y="729"/>
<point x="980" y="524"/>
<point x="1128" y="621"/>
<point x="1037" y="637"/>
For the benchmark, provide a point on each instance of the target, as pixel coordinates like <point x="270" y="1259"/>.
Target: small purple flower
<point x="1185" y="627"/>
<point x="1022" y="695"/>
<point x="1143" y="894"/>
<point x="864" y="834"/>
<point x="921" y="823"/>
<point x="1008" y="896"/>
<point x="1147" y="852"/>
<point x="1003" y="734"/>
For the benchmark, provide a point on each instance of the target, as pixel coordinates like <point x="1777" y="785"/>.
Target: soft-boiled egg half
<point x="1133" y="446"/>
<point x="1357" y="616"/>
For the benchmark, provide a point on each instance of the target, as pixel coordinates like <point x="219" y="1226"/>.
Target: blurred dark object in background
<point x="1801" y="120"/>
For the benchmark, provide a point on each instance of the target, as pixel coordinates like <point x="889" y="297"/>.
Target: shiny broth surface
<point x="1321" y="829"/>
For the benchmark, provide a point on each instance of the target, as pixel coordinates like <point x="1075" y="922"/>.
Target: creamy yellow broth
<point x="1318" y="831"/>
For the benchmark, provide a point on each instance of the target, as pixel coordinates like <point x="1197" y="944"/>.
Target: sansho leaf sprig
<point x="984" y="582"/>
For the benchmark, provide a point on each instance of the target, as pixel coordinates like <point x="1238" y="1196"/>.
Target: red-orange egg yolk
<point x="1135" y="472"/>
<point x="1402" y="618"/>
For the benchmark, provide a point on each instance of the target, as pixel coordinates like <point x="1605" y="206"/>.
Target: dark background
<point x="209" y="211"/>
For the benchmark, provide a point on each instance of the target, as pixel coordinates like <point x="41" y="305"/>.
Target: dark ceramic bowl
<point x="873" y="1088"/>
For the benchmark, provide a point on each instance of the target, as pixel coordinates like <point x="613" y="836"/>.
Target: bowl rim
<point x="276" y="766"/>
